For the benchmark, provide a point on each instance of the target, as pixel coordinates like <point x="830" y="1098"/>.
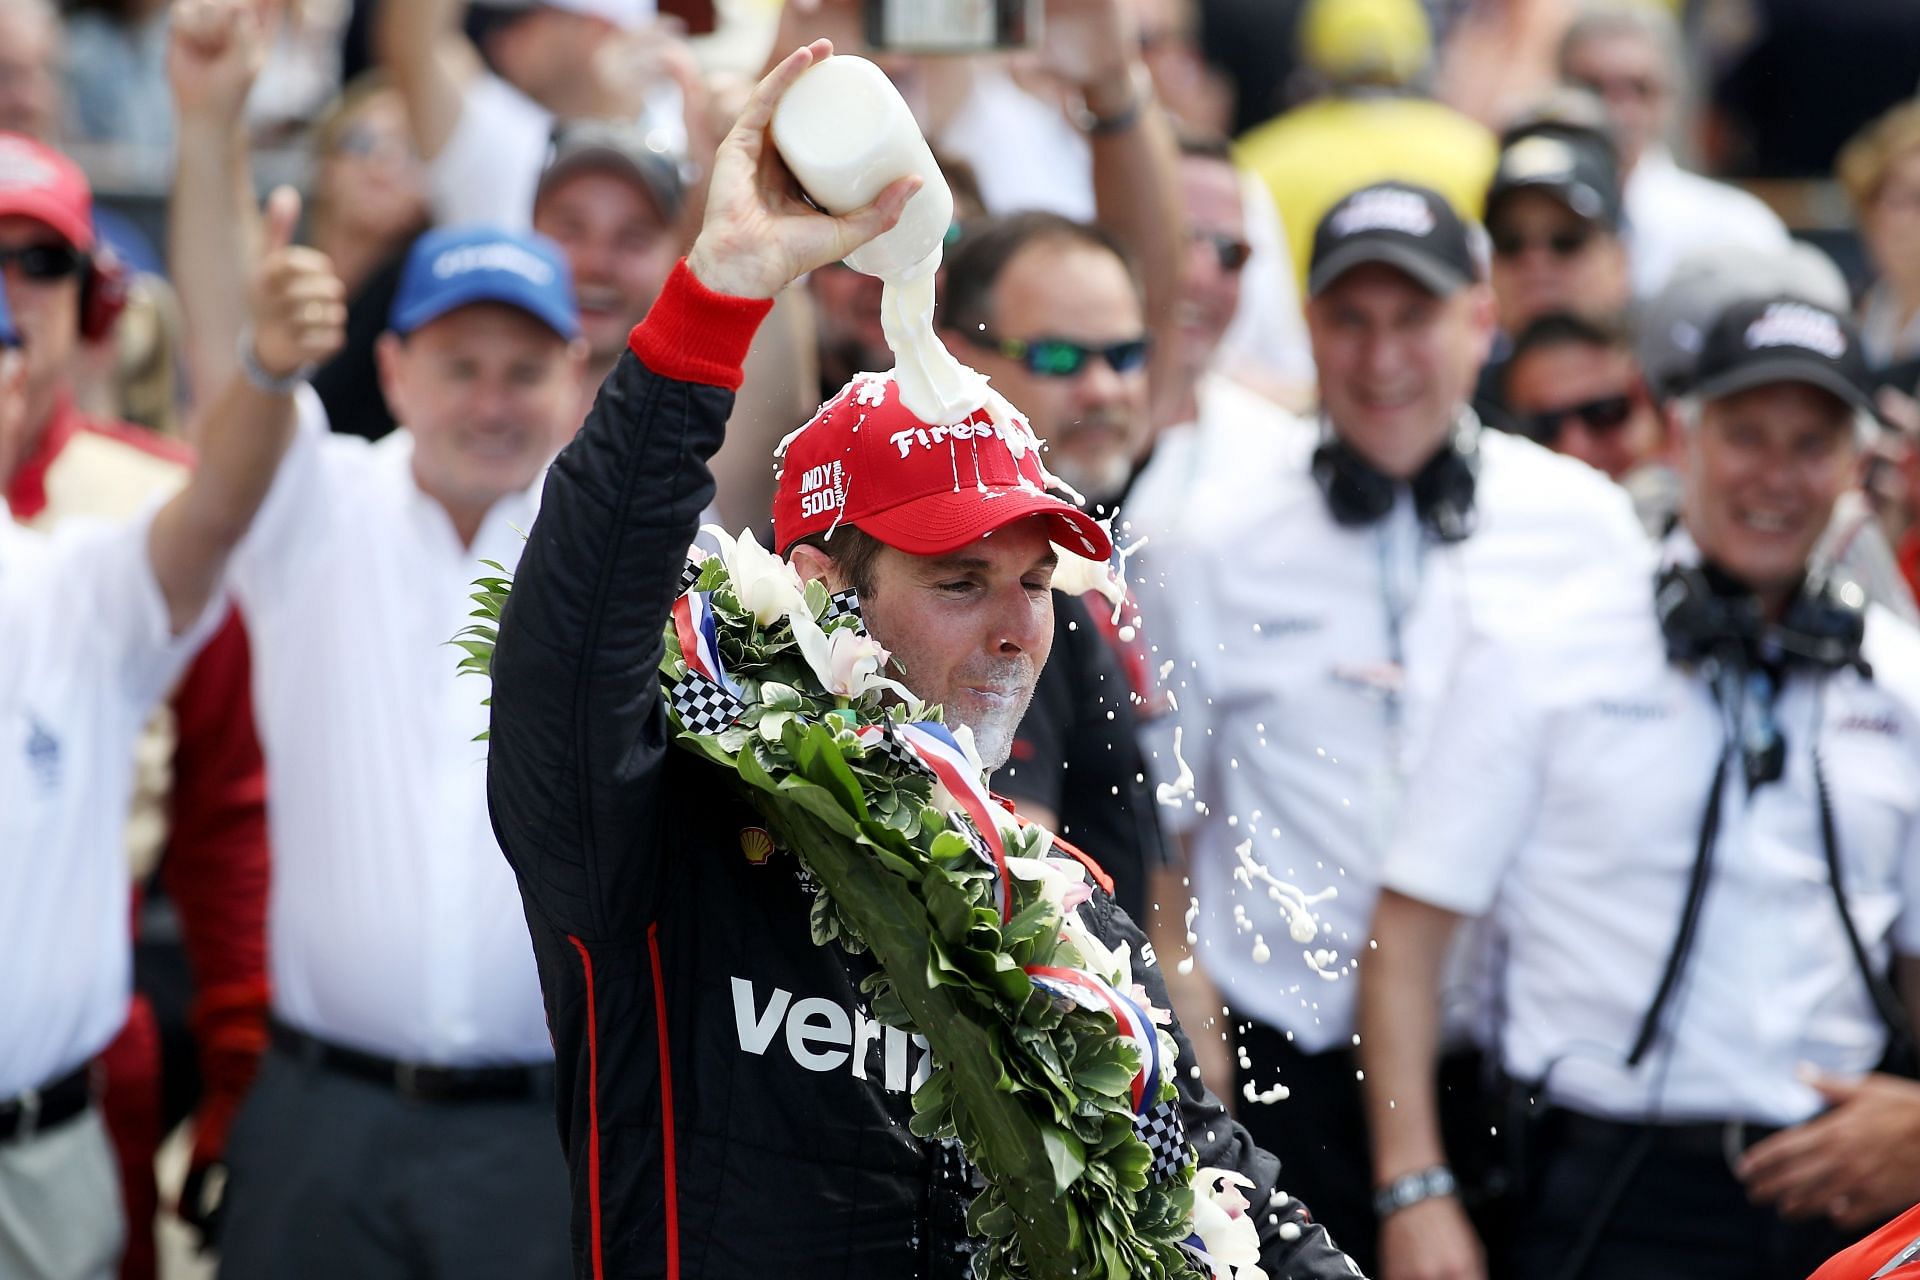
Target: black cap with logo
<point x="1761" y="341"/>
<point x="1400" y="225"/>
<point x="1571" y="165"/>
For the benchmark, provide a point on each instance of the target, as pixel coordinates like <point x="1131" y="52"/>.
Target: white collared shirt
<point x="1565" y="789"/>
<point x="86" y="652"/>
<point x="395" y="925"/>
<point x="1198" y="465"/>
<point x="1672" y="213"/>
<point x="1295" y="719"/>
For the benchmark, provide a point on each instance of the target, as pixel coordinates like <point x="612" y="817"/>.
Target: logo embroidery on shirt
<point x="1884" y="725"/>
<point x="1622" y="709"/>
<point x="1290" y="625"/>
<point x="757" y="844"/>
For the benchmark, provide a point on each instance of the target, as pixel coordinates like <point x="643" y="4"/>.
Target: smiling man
<point x="398" y="1120"/>
<point x="1696" y="822"/>
<point x="727" y="1102"/>
<point x="1315" y="612"/>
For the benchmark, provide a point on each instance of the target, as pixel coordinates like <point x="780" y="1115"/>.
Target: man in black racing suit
<point x="727" y="1104"/>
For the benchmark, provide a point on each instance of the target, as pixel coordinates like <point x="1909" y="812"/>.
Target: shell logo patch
<point x="756" y="844"/>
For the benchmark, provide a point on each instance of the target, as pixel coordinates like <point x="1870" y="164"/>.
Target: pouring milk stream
<point x="846" y="133"/>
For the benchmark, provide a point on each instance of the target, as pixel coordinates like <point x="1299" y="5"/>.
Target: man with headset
<point x="1315" y="618"/>
<point x="1691" y="804"/>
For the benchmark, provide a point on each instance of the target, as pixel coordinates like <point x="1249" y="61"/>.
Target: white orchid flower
<point x="847" y="663"/>
<point x="1062" y="881"/>
<point x="1220" y="1220"/>
<point x="766" y="586"/>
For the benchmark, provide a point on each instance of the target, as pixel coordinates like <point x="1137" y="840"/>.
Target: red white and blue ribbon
<point x="933" y="746"/>
<point x="1092" y="992"/>
<point x="700" y="638"/>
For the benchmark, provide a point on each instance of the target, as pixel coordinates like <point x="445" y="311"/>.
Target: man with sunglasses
<point x="199" y="812"/>
<point x="1690" y="805"/>
<point x="1216" y="423"/>
<point x="1554" y="216"/>
<point x="1572" y="385"/>
<point x="1632" y="56"/>
<point x="1050" y="310"/>
<point x="1312" y="615"/>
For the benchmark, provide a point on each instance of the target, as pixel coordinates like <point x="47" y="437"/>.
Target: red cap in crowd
<point x="864" y="460"/>
<point x="38" y="182"/>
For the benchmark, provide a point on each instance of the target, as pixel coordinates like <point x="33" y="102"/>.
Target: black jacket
<point x="727" y="1107"/>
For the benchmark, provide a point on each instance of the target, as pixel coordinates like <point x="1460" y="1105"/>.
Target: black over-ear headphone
<point x="1822" y="628"/>
<point x="1358" y="493"/>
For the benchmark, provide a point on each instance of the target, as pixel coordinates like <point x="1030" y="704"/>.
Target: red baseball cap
<point x="866" y="461"/>
<point x="38" y="182"/>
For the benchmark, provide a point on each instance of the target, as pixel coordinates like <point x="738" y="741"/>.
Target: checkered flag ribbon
<point x="1165" y="1134"/>
<point x="879" y="738"/>
<point x="842" y="603"/>
<point x="705" y="707"/>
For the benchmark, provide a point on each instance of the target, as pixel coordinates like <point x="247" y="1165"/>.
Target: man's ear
<point x="815" y="565"/>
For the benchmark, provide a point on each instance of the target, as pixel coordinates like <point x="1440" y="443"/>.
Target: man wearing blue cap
<point x="402" y="1121"/>
<point x="97" y="622"/>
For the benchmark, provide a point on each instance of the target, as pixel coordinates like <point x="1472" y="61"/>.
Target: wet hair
<point x="973" y="267"/>
<point x="853" y="551"/>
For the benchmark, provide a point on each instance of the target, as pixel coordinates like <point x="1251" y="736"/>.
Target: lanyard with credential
<point x="1399" y="585"/>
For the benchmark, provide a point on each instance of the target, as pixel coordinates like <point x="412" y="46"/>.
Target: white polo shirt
<point x="1298" y="721"/>
<point x="394" y="922"/>
<point x="86" y="652"/>
<point x="1565" y="788"/>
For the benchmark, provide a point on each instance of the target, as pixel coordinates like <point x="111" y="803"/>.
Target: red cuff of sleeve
<point x="693" y="334"/>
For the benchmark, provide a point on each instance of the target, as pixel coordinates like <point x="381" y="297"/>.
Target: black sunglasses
<point x="43" y="261"/>
<point x="1231" y="251"/>
<point x="1607" y="414"/>
<point x="1562" y="244"/>
<point x="1059" y="358"/>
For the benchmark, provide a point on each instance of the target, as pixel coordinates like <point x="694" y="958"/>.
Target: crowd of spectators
<point x="1409" y="343"/>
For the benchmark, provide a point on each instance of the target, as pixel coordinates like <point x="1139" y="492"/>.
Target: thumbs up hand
<point x="298" y="304"/>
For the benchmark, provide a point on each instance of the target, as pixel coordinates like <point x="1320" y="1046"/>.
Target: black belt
<point x="418" y="1082"/>
<point x="38" y="1110"/>
<point x="1722" y="1139"/>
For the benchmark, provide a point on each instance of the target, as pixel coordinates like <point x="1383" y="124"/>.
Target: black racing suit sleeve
<point x="1292" y="1245"/>
<point x="579" y="737"/>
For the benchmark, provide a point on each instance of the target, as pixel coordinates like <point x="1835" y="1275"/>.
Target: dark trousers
<point x="1319" y="1131"/>
<point x="1681" y="1212"/>
<point x="333" y="1177"/>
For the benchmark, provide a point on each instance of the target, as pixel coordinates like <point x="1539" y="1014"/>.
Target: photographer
<point x="1695" y="818"/>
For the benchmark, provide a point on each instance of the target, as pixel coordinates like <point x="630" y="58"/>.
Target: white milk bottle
<point x="846" y="133"/>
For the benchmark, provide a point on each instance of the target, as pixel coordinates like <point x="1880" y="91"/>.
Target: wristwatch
<point x="274" y="384"/>
<point x="1410" y="1189"/>
<point x="1121" y="120"/>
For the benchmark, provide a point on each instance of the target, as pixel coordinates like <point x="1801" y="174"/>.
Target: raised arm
<point x="578" y="742"/>
<point x="425" y="49"/>
<point x="298" y="313"/>
<point x="214" y="53"/>
<point x="1095" y="45"/>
